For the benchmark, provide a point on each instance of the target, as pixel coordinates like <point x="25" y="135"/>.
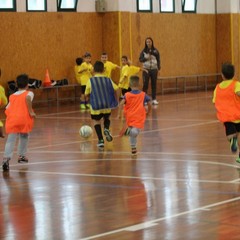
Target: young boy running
<point x="135" y="111"/>
<point x="19" y="122"/>
<point x="226" y="98"/>
<point x="102" y="93"/>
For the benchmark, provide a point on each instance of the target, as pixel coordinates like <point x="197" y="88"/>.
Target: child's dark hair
<point x="228" y="70"/>
<point x="98" y="67"/>
<point x="134" y="81"/>
<point x="79" y="61"/>
<point x="125" y="57"/>
<point x="87" y="54"/>
<point x="22" y="80"/>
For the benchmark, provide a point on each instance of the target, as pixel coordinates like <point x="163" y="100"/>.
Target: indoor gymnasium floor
<point x="182" y="185"/>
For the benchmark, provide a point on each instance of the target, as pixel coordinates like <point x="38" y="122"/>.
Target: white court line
<point x="153" y="222"/>
<point x="58" y="113"/>
<point x="124" y="153"/>
<point x="179" y="127"/>
<point x="68" y="118"/>
<point x="143" y="132"/>
<point x="116" y="119"/>
<point x="235" y="180"/>
<point x="139" y="160"/>
<point x="112" y="176"/>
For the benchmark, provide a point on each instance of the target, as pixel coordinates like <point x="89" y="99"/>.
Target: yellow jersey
<point x="108" y="67"/>
<point x="86" y="70"/>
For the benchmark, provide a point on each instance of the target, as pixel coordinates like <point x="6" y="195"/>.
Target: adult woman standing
<point x="150" y="57"/>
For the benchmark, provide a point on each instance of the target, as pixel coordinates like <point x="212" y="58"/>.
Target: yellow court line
<point x="232" y="51"/>
<point x="120" y="35"/>
<point x="130" y="35"/>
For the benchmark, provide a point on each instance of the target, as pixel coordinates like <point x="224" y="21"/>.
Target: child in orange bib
<point x="19" y="121"/>
<point x="226" y="98"/>
<point x="135" y="111"/>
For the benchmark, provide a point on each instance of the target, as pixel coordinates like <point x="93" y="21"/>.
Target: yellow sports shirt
<point x="86" y="70"/>
<point x="108" y="67"/>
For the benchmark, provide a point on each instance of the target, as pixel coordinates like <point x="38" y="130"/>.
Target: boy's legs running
<point x="82" y="103"/>
<point x="22" y="147"/>
<point x="98" y="129"/>
<point x="133" y="133"/>
<point x="232" y="132"/>
<point x="106" y="124"/>
<point x="8" y="152"/>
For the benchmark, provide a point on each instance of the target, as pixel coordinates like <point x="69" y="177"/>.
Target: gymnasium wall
<point x="228" y="40"/>
<point x="32" y="42"/>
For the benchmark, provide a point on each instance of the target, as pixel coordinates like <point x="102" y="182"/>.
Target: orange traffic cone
<point x="47" y="82"/>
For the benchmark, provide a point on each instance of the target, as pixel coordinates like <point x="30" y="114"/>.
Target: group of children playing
<point x="101" y="95"/>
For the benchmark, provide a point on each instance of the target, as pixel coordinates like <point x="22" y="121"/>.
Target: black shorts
<point x="231" y="128"/>
<point x="100" y="116"/>
<point x="83" y="87"/>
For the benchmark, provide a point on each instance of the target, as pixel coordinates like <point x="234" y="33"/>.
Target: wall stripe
<point x="231" y="28"/>
<point x="120" y="36"/>
<point x="130" y="35"/>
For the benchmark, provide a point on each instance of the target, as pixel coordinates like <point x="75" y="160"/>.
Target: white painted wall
<point x="228" y="6"/>
<point x="206" y="6"/>
<point x="203" y="6"/>
<point x="86" y="6"/>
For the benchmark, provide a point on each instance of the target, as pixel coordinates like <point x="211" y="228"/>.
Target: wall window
<point x="67" y="5"/>
<point x="36" y="5"/>
<point x="144" y="5"/>
<point x="167" y="6"/>
<point x="7" y="5"/>
<point x="189" y="6"/>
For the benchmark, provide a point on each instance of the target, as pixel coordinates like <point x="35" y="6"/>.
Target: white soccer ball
<point x="85" y="131"/>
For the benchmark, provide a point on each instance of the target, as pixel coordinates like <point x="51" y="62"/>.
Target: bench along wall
<point x="32" y="42"/>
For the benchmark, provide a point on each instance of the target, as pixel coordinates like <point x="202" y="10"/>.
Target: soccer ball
<point x="85" y="131"/>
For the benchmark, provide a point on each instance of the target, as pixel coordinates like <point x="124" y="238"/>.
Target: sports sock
<point x="98" y="130"/>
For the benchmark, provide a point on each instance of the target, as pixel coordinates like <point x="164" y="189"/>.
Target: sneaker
<point x="87" y="105"/>
<point x="5" y="165"/>
<point x="108" y="135"/>
<point x="82" y="106"/>
<point x="238" y="160"/>
<point x="100" y="143"/>
<point x="154" y="102"/>
<point x="22" y="159"/>
<point x="134" y="151"/>
<point x="233" y="144"/>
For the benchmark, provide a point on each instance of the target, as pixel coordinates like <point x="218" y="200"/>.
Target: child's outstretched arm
<point x="149" y="109"/>
<point x="120" y="107"/>
<point x="29" y="106"/>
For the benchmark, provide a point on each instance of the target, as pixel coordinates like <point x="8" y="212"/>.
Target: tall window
<point x="7" y="5"/>
<point x="144" y="5"/>
<point x="167" y="6"/>
<point x="189" y="6"/>
<point x="36" y="5"/>
<point x="67" y="5"/>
